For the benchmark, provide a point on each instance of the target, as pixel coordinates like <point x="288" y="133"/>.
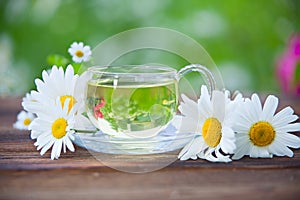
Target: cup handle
<point x="206" y="73"/>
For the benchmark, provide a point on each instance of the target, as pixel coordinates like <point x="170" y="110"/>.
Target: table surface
<point x="24" y="174"/>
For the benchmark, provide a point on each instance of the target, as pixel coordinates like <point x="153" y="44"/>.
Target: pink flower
<point x="286" y="67"/>
<point x="295" y="46"/>
<point x="97" y="112"/>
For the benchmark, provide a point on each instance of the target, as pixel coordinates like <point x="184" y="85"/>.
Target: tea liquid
<point x="131" y="107"/>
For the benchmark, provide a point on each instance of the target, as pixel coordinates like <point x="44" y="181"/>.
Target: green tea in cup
<point x="133" y="101"/>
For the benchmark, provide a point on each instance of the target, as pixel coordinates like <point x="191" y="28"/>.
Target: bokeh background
<point x="243" y="37"/>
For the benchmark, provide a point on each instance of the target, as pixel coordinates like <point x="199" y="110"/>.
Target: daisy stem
<point x="85" y="131"/>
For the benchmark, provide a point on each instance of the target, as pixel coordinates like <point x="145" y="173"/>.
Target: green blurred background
<point x="243" y="37"/>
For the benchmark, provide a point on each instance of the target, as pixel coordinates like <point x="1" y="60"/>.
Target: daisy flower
<point x="54" y="126"/>
<point x="63" y="85"/>
<point x="262" y="133"/>
<point x="55" y="84"/>
<point x="79" y="52"/>
<point x="212" y="120"/>
<point x="23" y="120"/>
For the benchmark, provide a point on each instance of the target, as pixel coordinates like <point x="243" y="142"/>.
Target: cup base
<point x="167" y="140"/>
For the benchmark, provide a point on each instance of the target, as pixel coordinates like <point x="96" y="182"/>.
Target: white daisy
<point x="79" y="52"/>
<point x="23" y="120"/>
<point x="55" y="84"/>
<point x="212" y="120"/>
<point x="55" y="127"/>
<point x="262" y="134"/>
<point x="65" y="86"/>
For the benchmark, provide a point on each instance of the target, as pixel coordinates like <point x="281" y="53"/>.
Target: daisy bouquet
<point x="229" y="128"/>
<point x="56" y="109"/>
<point x="226" y="127"/>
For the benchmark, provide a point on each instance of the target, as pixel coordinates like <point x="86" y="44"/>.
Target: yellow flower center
<point x="27" y="121"/>
<point x="262" y="133"/>
<point x="59" y="128"/>
<point x="212" y="132"/>
<point x="79" y="53"/>
<point x="71" y="102"/>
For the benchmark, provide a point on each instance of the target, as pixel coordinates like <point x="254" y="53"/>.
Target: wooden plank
<point x="168" y="183"/>
<point x="17" y="152"/>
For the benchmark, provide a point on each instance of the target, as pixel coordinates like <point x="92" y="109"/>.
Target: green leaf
<point x="58" y="60"/>
<point x="76" y="67"/>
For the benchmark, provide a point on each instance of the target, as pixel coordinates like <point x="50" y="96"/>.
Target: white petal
<point x="257" y="108"/>
<point x="243" y="148"/>
<point x="284" y="120"/>
<point x="40" y="124"/>
<point x="280" y="149"/>
<point x="282" y="114"/>
<point x="81" y="83"/>
<point x="34" y="107"/>
<point x="71" y="51"/>
<point x="69" y="79"/>
<point x="83" y="123"/>
<point x="241" y="128"/>
<point x="247" y="116"/>
<point x="72" y="137"/>
<point x="77" y="59"/>
<point x="59" y="148"/>
<point x="66" y="105"/>
<point x="254" y="152"/>
<point x="251" y="109"/>
<point x="70" y="145"/>
<point x="190" y="125"/>
<point x="45" y="76"/>
<point x="74" y="45"/>
<point x="227" y="142"/>
<point x="194" y="157"/>
<point x="222" y="158"/>
<point x="22" y="115"/>
<point x="219" y="158"/>
<point x="245" y="121"/>
<point x="295" y="127"/>
<point x="46" y="147"/>
<point x="43" y="139"/>
<point x="56" y="149"/>
<point x="86" y="48"/>
<point x="263" y="152"/>
<point x="227" y="145"/>
<point x="211" y="158"/>
<point x="204" y="102"/>
<point x="57" y="82"/>
<point x="269" y="109"/>
<point x="44" y="89"/>
<point x="191" y="149"/>
<point x="19" y="125"/>
<point x="188" y="107"/>
<point x="218" y="102"/>
<point x="34" y="134"/>
<point x="289" y="140"/>
<point x="39" y="85"/>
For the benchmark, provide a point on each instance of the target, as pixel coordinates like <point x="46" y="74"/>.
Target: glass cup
<point x="138" y="100"/>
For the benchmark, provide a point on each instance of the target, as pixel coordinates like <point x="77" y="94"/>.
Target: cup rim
<point x="133" y="70"/>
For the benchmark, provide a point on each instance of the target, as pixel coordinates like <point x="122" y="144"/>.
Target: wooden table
<point x="24" y="174"/>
